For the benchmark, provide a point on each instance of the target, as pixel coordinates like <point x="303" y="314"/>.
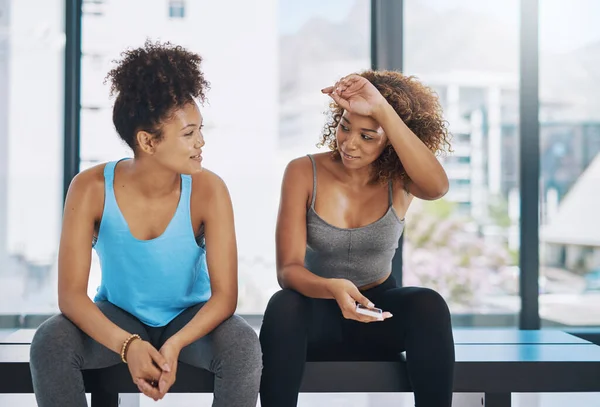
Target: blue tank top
<point x="157" y="279"/>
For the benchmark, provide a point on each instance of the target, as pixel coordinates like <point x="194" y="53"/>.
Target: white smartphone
<point x="372" y="312"/>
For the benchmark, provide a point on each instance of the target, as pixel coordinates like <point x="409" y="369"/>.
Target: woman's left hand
<point x="356" y="94"/>
<point x="170" y="352"/>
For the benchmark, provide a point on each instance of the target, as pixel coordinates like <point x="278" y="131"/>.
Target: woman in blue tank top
<point x="164" y="233"/>
<point x="341" y="216"/>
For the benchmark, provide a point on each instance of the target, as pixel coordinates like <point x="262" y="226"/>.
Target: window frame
<point x="387" y="18"/>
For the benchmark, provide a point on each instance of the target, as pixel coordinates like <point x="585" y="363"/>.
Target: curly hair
<point x="151" y="82"/>
<point x="416" y="104"/>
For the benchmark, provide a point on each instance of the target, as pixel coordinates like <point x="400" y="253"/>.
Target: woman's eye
<point x="364" y="136"/>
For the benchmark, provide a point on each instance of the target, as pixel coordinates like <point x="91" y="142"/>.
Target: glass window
<point x="265" y="105"/>
<point x="570" y="163"/>
<point x="176" y="8"/>
<point x="92" y="7"/>
<point x="31" y="150"/>
<point x="465" y="245"/>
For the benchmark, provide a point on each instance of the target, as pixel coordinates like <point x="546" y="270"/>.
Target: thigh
<point x="328" y="335"/>
<point x="290" y="315"/>
<point x="95" y="352"/>
<point x="58" y="336"/>
<point x="203" y="352"/>
<point x="123" y="319"/>
<point x="411" y="308"/>
<point x="286" y="316"/>
<point x="325" y="322"/>
<point x="232" y="343"/>
<point x="177" y="323"/>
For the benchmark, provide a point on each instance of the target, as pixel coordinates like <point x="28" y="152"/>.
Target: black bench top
<point x="500" y="336"/>
<point x="528" y="361"/>
<point x="503" y="336"/>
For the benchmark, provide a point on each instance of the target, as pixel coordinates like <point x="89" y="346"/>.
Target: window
<point x="93" y="7"/>
<point x="31" y="145"/>
<point x="455" y="160"/>
<point x="283" y="78"/>
<point x="465" y="245"/>
<point x="570" y="163"/>
<point x="177" y="9"/>
<point x="460" y="182"/>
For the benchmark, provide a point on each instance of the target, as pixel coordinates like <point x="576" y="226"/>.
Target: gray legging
<point x="60" y="350"/>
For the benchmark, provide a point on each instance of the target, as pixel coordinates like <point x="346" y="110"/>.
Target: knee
<point x="285" y="308"/>
<point x="50" y="340"/>
<point x="429" y="305"/>
<point x="242" y="353"/>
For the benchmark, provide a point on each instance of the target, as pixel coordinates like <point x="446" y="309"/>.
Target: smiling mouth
<point x="196" y="157"/>
<point x="348" y="156"/>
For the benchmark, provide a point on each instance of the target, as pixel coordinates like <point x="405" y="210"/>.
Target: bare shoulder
<point x="87" y="188"/>
<point x="324" y="160"/>
<point x="207" y="185"/>
<point x="330" y="170"/>
<point x="299" y="166"/>
<point x="299" y="172"/>
<point x="302" y="166"/>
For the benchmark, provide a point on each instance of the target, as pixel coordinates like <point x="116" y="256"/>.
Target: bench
<point x="496" y="362"/>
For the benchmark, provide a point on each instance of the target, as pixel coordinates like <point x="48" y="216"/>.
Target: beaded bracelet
<point x="126" y="346"/>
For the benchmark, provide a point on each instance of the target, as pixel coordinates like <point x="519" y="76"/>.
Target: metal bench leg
<point x="105" y="399"/>
<point x="497" y="399"/>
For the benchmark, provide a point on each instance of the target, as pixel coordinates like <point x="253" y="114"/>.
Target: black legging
<point x="296" y="327"/>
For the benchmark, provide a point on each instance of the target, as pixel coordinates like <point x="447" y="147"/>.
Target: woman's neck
<point x="151" y="179"/>
<point x="360" y="177"/>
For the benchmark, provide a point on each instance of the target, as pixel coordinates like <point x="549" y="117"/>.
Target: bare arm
<point x="291" y="233"/>
<point x="221" y="256"/>
<point x="356" y="94"/>
<point x="74" y="259"/>
<point x="428" y="178"/>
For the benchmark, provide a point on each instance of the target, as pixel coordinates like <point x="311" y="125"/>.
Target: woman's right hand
<point x="143" y="361"/>
<point x="347" y="295"/>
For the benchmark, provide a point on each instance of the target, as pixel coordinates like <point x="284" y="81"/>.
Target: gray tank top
<point x="362" y="255"/>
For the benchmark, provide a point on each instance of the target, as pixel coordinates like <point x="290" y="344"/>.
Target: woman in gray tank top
<point x="341" y="216"/>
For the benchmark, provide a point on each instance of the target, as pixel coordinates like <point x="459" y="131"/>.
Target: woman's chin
<point x="196" y="170"/>
<point x="191" y="169"/>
